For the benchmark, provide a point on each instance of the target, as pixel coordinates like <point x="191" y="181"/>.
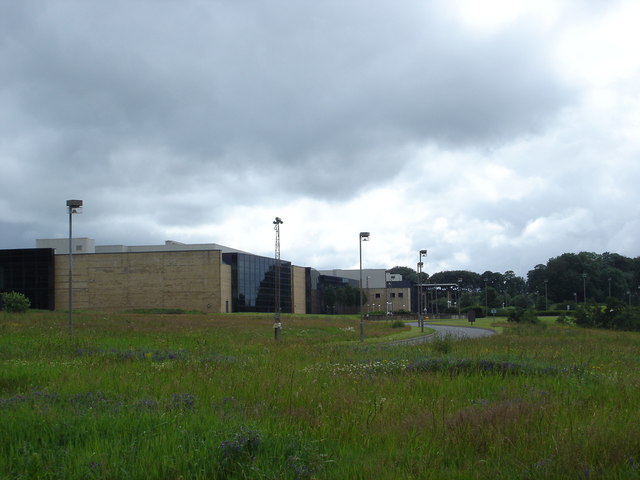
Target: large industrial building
<point x="194" y="277"/>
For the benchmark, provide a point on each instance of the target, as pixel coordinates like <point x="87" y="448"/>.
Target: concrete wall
<point x="61" y="245"/>
<point x="298" y="293"/>
<point x="189" y="280"/>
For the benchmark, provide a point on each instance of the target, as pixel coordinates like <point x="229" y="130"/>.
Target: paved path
<point x="459" y="333"/>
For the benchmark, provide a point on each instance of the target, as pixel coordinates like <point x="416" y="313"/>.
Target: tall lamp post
<point x="458" y="302"/>
<point x="73" y="206"/>
<point x="546" y="298"/>
<point x="486" y="297"/>
<point x="277" y="325"/>
<point x="421" y="253"/>
<point x="584" y="288"/>
<point x="363" y="237"/>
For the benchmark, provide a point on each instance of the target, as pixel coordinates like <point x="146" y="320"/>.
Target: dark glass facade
<point x="313" y="296"/>
<point x="253" y="284"/>
<point x="29" y="271"/>
<point x="316" y="286"/>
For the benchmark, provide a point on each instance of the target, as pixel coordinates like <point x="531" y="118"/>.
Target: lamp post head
<point x="277" y="221"/>
<point x="74" y="205"/>
<point x="423" y="253"/>
<point x="364" y="236"/>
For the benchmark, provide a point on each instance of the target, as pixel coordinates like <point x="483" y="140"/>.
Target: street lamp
<point x="459" y="282"/>
<point x="486" y="297"/>
<point x="506" y="301"/>
<point x="363" y="237"/>
<point x="546" y="301"/>
<point x="584" y="288"/>
<point x="421" y="253"/>
<point x="609" y="280"/>
<point x="387" y="290"/>
<point x="277" y="324"/>
<point x="73" y="206"/>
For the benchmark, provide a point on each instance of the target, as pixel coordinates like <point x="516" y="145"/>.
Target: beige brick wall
<point x="190" y="280"/>
<point x="298" y="287"/>
<point x="399" y="298"/>
<point x="226" y="305"/>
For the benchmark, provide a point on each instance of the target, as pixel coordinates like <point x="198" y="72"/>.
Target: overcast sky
<point x="495" y="134"/>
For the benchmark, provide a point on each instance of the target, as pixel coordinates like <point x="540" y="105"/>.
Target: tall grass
<point x="202" y="396"/>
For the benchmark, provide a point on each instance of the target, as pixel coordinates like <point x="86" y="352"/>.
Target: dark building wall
<point x="29" y="271"/>
<point x="253" y="283"/>
<point x="313" y="294"/>
<point x="326" y="305"/>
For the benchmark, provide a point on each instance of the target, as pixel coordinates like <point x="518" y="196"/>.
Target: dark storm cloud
<point x="294" y="84"/>
<point x="193" y="119"/>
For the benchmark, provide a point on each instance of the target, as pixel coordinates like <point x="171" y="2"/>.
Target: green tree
<point x="536" y="279"/>
<point x="468" y="281"/>
<point x="406" y="272"/>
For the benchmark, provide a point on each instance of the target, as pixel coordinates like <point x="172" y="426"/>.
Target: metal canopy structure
<point x="437" y="285"/>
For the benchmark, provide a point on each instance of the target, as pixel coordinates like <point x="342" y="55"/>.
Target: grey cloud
<point x="218" y="82"/>
<point x="163" y="113"/>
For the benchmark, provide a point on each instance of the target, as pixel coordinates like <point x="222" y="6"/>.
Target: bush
<point x="522" y="315"/>
<point x="14" y="302"/>
<point x="397" y="324"/>
<point x="564" y="319"/>
<point x="615" y="315"/>
<point x="442" y="344"/>
<point x="551" y="313"/>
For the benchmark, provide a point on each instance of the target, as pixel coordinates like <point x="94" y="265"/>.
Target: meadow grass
<point x="214" y="396"/>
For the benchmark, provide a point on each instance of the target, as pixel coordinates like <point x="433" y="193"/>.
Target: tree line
<point x="571" y="278"/>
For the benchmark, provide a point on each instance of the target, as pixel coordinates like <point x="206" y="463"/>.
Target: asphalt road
<point x="459" y="333"/>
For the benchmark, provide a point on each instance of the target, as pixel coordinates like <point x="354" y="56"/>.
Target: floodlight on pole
<point x="363" y="237"/>
<point x="277" y="324"/>
<point x="73" y="206"/>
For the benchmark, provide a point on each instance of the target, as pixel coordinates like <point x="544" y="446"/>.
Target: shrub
<point x="615" y="315"/>
<point x="397" y="324"/>
<point x="14" y="302"/>
<point x="442" y="344"/>
<point x="522" y="315"/>
<point x="564" y="319"/>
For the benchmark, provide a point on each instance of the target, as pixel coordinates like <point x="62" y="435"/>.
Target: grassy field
<point x="133" y="396"/>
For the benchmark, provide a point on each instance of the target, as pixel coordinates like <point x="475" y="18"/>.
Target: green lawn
<point x="136" y="396"/>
